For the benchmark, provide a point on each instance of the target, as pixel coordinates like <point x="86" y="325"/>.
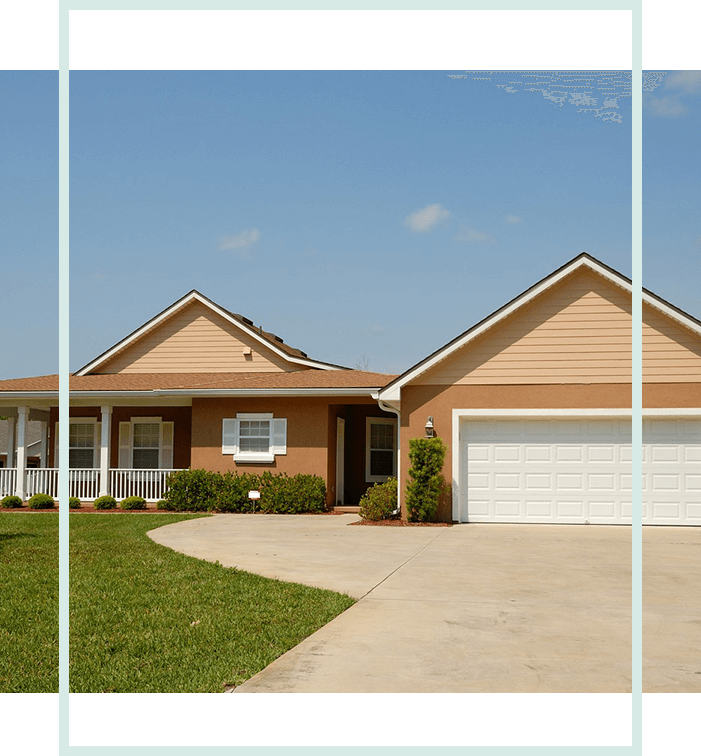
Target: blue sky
<point x="318" y="173"/>
<point x="362" y="216"/>
<point x="29" y="222"/>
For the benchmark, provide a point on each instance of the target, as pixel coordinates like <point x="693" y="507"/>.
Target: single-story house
<point x="533" y="403"/>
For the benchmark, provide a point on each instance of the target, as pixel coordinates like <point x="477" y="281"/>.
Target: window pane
<point x="146" y="435"/>
<point x="382" y="436"/>
<point x="145" y="459"/>
<point x="254" y="435"/>
<point x="381" y="462"/>
<point x="80" y="458"/>
<point x="81" y="436"/>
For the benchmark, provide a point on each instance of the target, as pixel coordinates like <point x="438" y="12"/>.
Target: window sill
<point x="254" y="458"/>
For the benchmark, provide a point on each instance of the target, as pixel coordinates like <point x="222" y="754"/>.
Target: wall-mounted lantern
<point x="429" y="427"/>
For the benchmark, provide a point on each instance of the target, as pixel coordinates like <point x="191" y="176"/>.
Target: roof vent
<point x="247" y="320"/>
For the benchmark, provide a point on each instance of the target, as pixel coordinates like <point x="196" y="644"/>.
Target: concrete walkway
<point x="472" y="608"/>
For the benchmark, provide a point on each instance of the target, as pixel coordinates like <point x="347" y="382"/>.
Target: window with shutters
<point x="380" y="449"/>
<point x="82" y="444"/>
<point x="146" y="446"/>
<point x="254" y="437"/>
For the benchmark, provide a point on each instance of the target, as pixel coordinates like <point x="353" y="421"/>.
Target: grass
<point x="145" y="619"/>
<point x="28" y="603"/>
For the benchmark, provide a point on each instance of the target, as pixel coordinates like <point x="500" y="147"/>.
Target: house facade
<point x="533" y="403"/>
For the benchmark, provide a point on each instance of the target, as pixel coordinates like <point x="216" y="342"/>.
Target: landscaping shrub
<point x="204" y="491"/>
<point x="11" y="502"/>
<point x="163" y="504"/>
<point x="41" y="501"/>
<point x="192" y="491"/>
<point x="105" y="502"/>
<point x="379" y="501"/>
<point x="133" y="502"/>
<point x="74" y="502"/>
<point x="423" y="492"/>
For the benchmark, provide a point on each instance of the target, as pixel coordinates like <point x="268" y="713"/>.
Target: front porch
<point x="85" y="483"/>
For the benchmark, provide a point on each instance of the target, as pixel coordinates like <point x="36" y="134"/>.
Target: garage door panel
<point x="565" y="470"/>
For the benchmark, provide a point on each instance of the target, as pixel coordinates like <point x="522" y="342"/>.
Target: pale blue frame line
<point x="636" y="8"/>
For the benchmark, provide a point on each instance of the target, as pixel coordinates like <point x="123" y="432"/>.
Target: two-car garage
<point x="574" y="470"/>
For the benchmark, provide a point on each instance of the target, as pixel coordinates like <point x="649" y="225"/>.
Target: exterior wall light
<point x="429" y="427"/>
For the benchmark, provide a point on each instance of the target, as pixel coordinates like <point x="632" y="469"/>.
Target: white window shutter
<point x="230" y="436"/>
<point x="167" y="430"/>
<point x="125" y="446"/>
<point x="96" y="445"/>
<point x="55" y="449"/>
<point x="279" y="445"/>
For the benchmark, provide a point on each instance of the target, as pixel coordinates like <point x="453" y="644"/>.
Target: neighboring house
<point x="34" y="442"/>
<point x="534" y="404"/>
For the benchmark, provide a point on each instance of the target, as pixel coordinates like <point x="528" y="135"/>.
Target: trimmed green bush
<point x="205" y="491"/>
<point x="11" y="502"/>
<point x="424" y="490"/>
<point x="133" y="502"/>
<point x="105" y="502"/>
<point x="379" y="501"/>
<point x="41" y="501"/>
<point x="163" y="504"/>
<point x="74" y="502"/>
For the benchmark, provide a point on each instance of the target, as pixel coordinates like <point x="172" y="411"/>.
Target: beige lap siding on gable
<point x="577" y="332"/>
<point x="196" y="340"/>
<point x="671" y="353"/>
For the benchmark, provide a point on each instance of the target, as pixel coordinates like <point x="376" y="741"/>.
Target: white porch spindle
<point x="42" y="480"/>
<point x="8" y="481"/>
<point x="151" y="484"/>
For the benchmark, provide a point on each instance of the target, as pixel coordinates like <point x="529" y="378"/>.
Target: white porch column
<point x="44" y="446"/>
<point x="22" y="413"/>
<point x="10" y="442"/>
<point x="105" y="450"/>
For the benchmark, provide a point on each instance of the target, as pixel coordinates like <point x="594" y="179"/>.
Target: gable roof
<point x="392" y="392"/>
<point x="270" y="340"/>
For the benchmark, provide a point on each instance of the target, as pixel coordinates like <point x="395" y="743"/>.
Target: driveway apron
<point x="472" y="608"/>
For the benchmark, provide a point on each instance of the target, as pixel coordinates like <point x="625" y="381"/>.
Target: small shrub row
<point x="38" y="501"/>
<point x="205" y="491"/>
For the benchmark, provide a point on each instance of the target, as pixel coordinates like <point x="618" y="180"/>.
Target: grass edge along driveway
<point x="146" y="619"/>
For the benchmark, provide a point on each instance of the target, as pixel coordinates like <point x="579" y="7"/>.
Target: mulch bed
<point x="27" y="509"/>
<point x="403" y="524"/>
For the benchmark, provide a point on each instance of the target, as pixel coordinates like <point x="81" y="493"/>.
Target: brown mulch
<point x="403" y="524"/>
<point x="27" y="509"/>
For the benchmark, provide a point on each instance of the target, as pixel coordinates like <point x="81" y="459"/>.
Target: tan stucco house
<point x="534" y="404"/>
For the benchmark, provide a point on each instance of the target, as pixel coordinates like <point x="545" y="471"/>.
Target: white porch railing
<point x="41" y="480"/>
<point x="8" y="481"/>
<point x="84" y="483"/>
<point x="150" y="484"/>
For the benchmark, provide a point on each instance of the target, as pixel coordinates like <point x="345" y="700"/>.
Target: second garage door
<point x="556" y="470"/>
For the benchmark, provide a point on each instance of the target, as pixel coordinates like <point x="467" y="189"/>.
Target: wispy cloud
<point x="472" y="235"/>
<point x="513" y="219"/>
<point x="425" y="219"/>
<point x="240" y="241"/>
<point x="675" y="86"/>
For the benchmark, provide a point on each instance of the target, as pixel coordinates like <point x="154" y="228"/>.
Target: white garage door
<point x="545" y="470"/>
<point x="671" y="471"/>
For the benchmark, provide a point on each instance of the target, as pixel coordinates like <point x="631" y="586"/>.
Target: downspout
<point x="389" y="408"/>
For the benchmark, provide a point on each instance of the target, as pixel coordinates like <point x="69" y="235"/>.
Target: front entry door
<point x="340" y="453"/>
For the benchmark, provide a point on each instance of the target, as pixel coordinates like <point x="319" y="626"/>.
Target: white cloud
<point x="241" y="240"/>
<point x="689" y="81"/>
<point x="669" y="107"/>
<point x="425" y="219"/>
<point x="466" y="234"/>
<point x="513" y="219"/>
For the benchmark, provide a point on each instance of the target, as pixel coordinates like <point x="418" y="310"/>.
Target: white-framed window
<point x="254" y="436"/>
<point x="83" y="443"/>
<point x="380" y="449"/>
<point x="146" y="443"/>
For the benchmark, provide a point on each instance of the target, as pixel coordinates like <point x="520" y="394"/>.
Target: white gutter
<point x="388" y="408"/>
<point x="231" y="392"/>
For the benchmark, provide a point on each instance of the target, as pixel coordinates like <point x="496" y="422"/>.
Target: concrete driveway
<point x="471" y="608"/>
<point x="671" y="610"/>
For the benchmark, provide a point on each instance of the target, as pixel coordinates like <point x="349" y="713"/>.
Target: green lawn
<point x="145" y="619"/>
<point x="28" y="603"/>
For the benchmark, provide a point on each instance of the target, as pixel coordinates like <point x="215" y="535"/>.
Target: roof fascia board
<point x="162" y="393"/>
<point x="182" y="302"/>
<point x="393" y="391"/>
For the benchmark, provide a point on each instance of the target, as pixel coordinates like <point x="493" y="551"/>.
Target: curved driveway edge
<point x="472" y="608"/>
